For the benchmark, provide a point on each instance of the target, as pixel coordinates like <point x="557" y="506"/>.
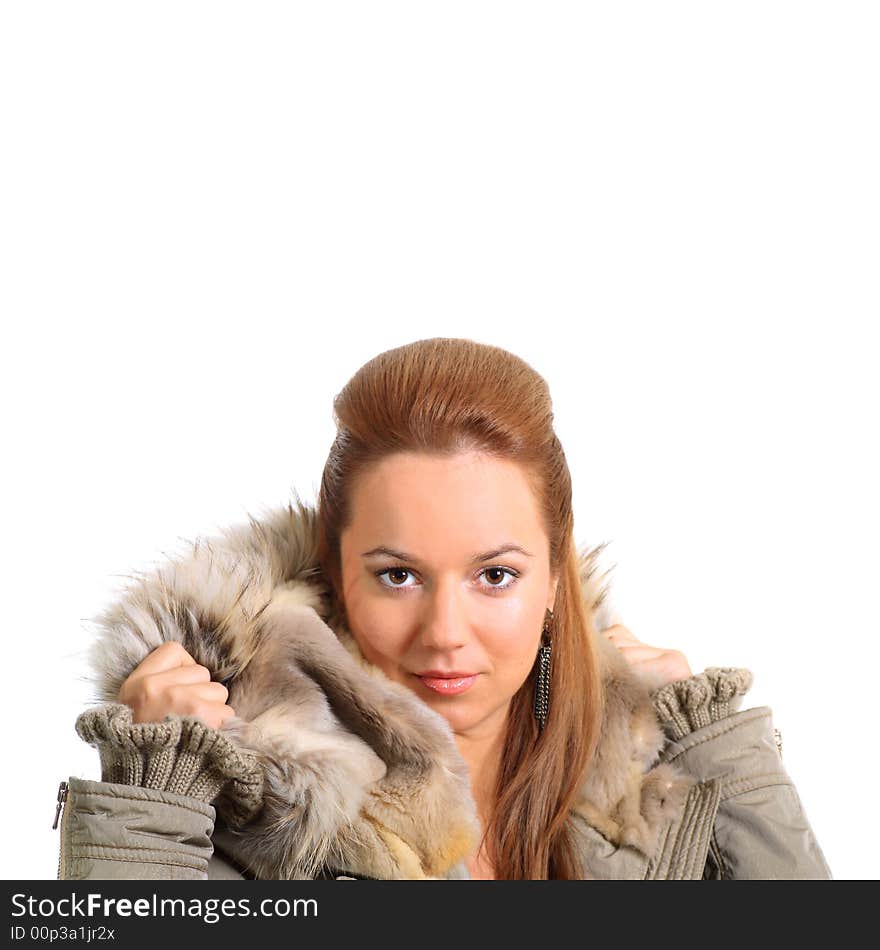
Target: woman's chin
<point x="463" y="711"/>
<point x="464" y="718"/>
<point x="459" y="711"/>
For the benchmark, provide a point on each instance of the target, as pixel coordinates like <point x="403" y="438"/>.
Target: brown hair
<point x="444" y="396"/>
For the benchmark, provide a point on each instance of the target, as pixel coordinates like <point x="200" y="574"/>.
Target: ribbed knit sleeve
<point x="688" y="704"/>
<point x="180" y="754"/>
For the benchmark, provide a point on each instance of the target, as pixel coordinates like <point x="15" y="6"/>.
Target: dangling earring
<point x="542" y="688"/>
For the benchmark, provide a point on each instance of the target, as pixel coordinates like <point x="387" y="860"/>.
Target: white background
<point x="214" y="213"/>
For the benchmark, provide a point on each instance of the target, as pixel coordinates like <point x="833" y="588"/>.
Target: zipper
<point x="62" y="798"/>
<point x="63" y="789"/>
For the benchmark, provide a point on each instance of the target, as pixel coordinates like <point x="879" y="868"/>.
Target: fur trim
<point x="626" y="796"/>
<point x="360" y="774"/>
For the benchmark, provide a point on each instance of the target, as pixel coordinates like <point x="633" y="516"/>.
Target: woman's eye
<point x="496" y="574"/>
<point x="394" y="574"/>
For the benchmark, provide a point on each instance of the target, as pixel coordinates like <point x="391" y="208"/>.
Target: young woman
<point x="416" y="679"/>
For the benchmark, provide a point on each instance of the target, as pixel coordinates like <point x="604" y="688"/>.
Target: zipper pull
<point x="62" y="798"/>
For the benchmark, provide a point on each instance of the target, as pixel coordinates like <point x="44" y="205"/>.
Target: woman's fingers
<point x="210" y="707"/>
<point x="211" y="712"/>
<point x="618" y="634"/>
<point x="142" y="688"/>
<point x="666" y="668"/>
<point x="214" y="716"/>
<point x="155" y="683"/>
<point x="659" y="665"/>
<point x="207" y="702"/>
<point x="640" y="651"/>
<point x="170" y="682"/>
<point x="185" y="696"/>
<point x="168" y="656"/>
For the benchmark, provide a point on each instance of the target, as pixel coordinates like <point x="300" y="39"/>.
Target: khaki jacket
<point x="330" y="769"/>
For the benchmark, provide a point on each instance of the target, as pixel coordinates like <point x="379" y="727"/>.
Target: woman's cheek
<point x="382" y="638"/>
<point x="512" y="651"/>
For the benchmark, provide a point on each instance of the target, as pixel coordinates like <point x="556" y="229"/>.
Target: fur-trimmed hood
<point x="360" y="774"/>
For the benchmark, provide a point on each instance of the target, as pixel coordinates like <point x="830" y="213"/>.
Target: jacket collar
<point x="360" y="774"/>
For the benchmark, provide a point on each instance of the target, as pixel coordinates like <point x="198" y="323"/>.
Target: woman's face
<point x="448" y="599"/>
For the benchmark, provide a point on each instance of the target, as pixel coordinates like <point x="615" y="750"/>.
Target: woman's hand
<point x="656" y="665"/>
<point x="170" y="681"/>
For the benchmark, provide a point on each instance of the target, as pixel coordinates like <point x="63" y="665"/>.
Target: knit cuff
<point x="180" y="755"/>
<point x="686" y="705"/>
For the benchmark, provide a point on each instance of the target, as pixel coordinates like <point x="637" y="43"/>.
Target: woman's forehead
<point x="465" y="505"/>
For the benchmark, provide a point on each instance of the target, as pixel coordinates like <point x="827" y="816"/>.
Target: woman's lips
<point x="449" y="685"/>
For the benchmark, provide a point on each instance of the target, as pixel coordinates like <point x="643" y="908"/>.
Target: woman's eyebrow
<point x="384" y="551"/>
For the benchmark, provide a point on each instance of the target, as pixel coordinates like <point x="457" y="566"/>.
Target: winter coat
<point x="331" y="769"/>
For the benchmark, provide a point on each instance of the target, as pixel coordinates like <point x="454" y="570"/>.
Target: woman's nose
<point x="444" y="621"/>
